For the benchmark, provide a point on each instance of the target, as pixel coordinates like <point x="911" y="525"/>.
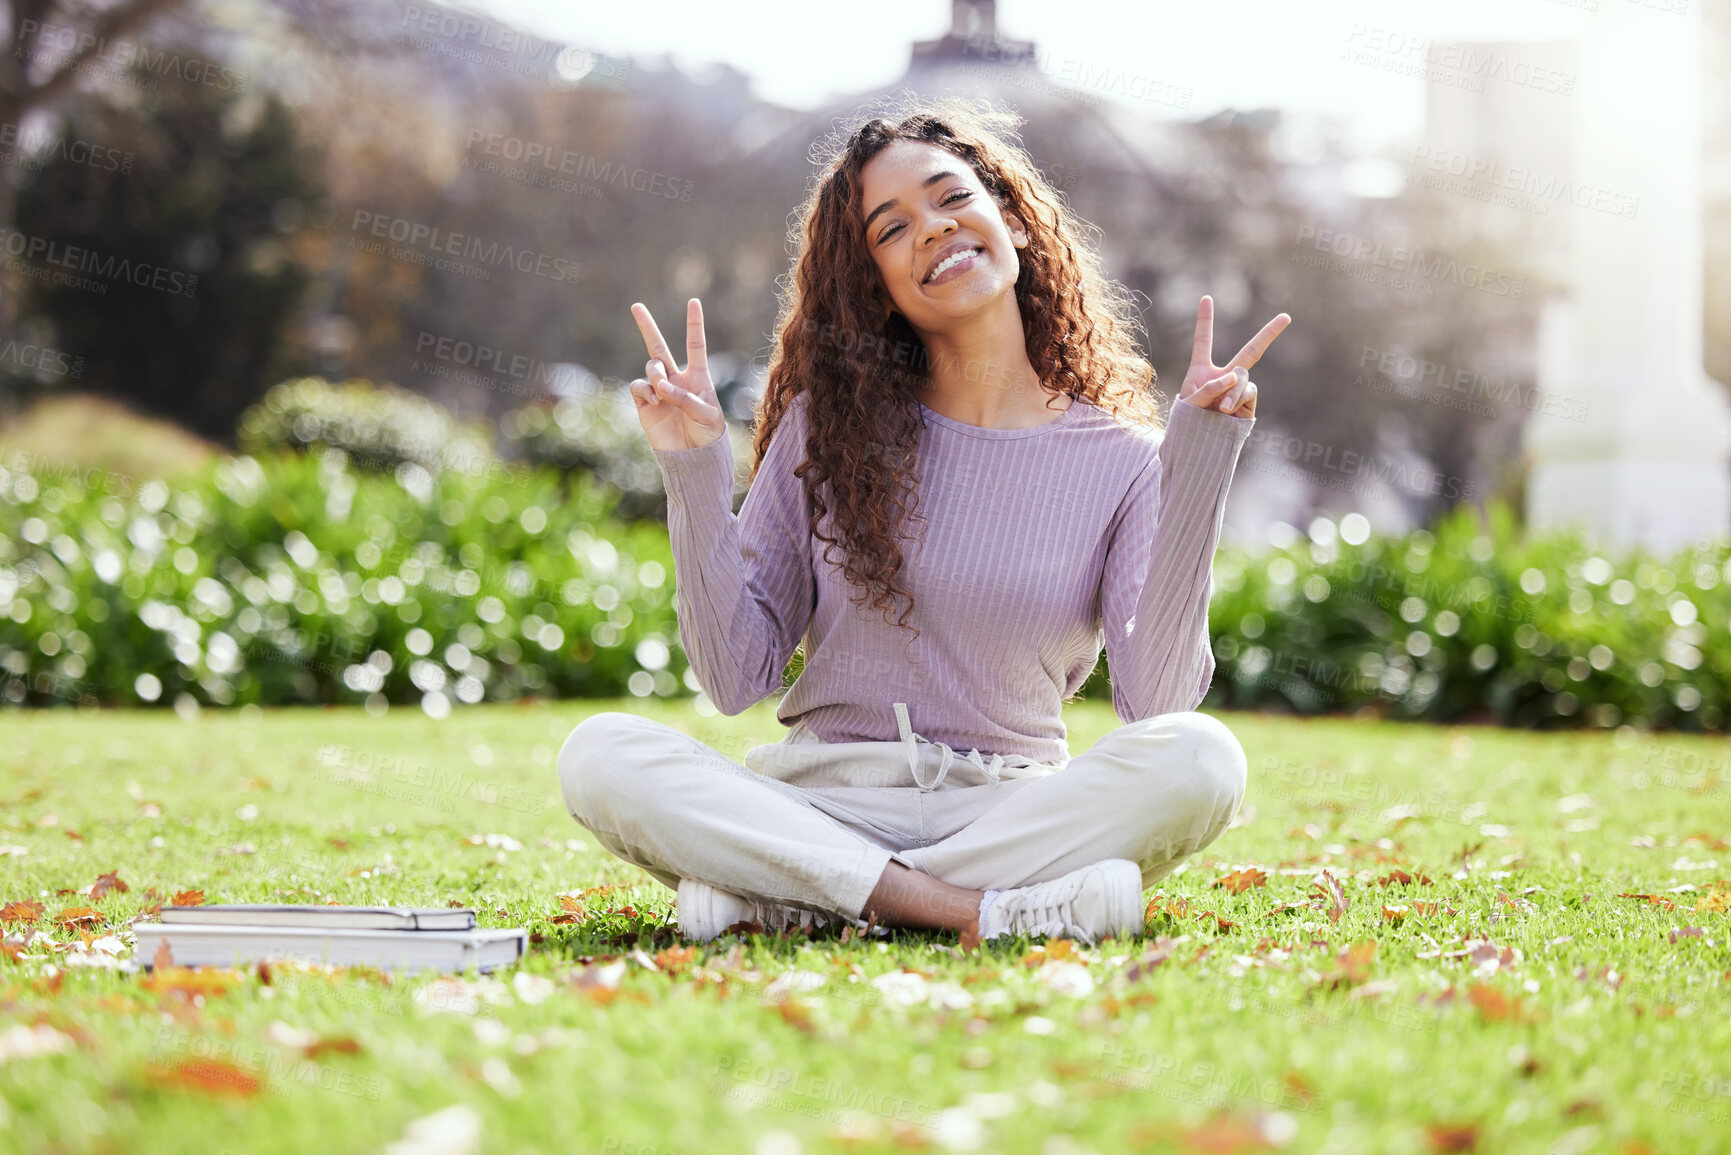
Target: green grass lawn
<point x="1246" y="1019"/>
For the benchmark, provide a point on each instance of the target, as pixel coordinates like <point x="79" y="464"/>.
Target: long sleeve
<point x="1158" y="569"/>
<point x="744" y="590"/>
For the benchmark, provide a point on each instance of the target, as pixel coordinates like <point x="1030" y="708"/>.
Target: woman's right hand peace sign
<point x="678" y="407"/>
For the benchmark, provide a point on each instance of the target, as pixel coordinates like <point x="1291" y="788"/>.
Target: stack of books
<point x="392" y="938"/>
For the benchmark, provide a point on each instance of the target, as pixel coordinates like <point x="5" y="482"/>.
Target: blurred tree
<point x="220" y="188"/>
<point x="35" y="71"/>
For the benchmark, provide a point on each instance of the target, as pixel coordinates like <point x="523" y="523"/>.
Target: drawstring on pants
<point x="912" y="740"/>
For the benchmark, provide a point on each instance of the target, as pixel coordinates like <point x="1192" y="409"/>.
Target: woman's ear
<point x="1018" y="231"/>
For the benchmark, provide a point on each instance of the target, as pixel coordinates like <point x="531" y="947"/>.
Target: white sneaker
<point x="705" y="912"/>
<point x="1097" y="900"/>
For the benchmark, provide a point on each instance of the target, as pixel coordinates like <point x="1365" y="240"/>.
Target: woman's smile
<point x="953" y="261"/>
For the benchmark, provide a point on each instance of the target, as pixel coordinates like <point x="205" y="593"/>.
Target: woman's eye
<point x="960" y="194"/>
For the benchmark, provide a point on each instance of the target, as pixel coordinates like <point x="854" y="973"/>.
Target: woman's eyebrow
<point x="891" y="203"/>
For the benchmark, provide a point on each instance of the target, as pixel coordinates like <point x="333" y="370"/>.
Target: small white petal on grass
<point x="793" y="981"/>
<point x="21" y="1042"/>
<point x="989" y="1104"/>
<point x="491" y="1032"/>
<point x="1039" y="1025"/>
<point x="949" y="997"/>
<point x="530" y="988"/>
<point x="297" y="1037"/>
<point x="455" y="1130"/>
<point x="1067" y="978"/>
<point x="902" y="988"/>
<point x="954" y="1129"/>
<point x="497" y="1073"/>
<point x="777" y="1143"/>
<point x="459" y="996"/>
<point x="1278" y="1128"/>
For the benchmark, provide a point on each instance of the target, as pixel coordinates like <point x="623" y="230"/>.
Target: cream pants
<point x="813" y="824"/>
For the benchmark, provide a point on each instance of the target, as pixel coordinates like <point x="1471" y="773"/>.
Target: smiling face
<point x="942" y="244"/>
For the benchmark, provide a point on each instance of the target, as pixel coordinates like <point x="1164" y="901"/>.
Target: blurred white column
<point x="1649" y="465"/>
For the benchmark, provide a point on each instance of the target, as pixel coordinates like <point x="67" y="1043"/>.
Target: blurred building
<point x="1598" y="145"/>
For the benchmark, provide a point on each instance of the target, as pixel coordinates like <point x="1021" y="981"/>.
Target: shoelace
<point x="777" y="917"/>
<point x="992" y="770"/>
<point x="1051" y="916"/>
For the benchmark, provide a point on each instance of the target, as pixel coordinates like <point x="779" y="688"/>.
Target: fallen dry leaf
<point x="73" y="915"/>
<point x="1496" y="1006"/>
<point x="26" y="910"/>
<point x="189" y="981"/>
<point x="1225" y="1134"/>
<point x="1174" y="908"/>
<point x="340" y="1045"/>
<point x="1402" y="878"/>
<point x="1056" y="950"/>
<point x="1453" y="1136"/>
<point x="108" y="883"/>
<point x="674" y="959"/>
<point x="796" y="1015"/>
<point x="1300" y="1086"/>
<point x="1151" y="958"/>
<point x="1687" y="932"/>
<point x="188" y="898"/>
<point x="209" y="1075"/>
<point x="1658" y="900"/>
<point x="1241" y="880"/>
<point x="1221" y="925"/>
<point x="1332" y="896"/>
<point x="1351" y="965"/>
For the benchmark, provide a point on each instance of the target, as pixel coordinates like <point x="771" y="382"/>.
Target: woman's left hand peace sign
<point x="1225" y="388"/>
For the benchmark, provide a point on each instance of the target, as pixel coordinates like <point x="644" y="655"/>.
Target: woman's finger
<point x="696" y="349"/>
<point x="691" y="403"/>
<point x="1211" y="391"/>
<point x="1247" y="403"/>
<point x="1258" y="345"/>
<point x="1202" y="344"/>
<point x="652" y="338"/>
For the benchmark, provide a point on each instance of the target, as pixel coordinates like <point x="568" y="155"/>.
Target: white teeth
<point x="954" y="258"/>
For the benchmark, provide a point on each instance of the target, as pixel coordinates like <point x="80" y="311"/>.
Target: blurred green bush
<point x="378" y="426"/>
<point x="298" y="578"/>
<point x="595" y="428"/>
<point x="1471" y="621"/>
<point x="291" y="578"/>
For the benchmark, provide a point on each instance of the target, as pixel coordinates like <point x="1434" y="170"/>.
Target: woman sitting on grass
<point x="948" y="349"/>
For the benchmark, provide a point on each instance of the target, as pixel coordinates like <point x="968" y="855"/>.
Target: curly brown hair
<point x="840" y="341"/>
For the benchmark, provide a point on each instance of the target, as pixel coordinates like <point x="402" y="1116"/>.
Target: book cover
<point x="484" y="948"/>
<point x="306" y="914"/>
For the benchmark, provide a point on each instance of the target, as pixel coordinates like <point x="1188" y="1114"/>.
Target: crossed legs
<point x="1153" y="791"/>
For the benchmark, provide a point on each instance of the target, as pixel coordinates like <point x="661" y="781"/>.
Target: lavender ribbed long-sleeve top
<point x="1042" y="544"/>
